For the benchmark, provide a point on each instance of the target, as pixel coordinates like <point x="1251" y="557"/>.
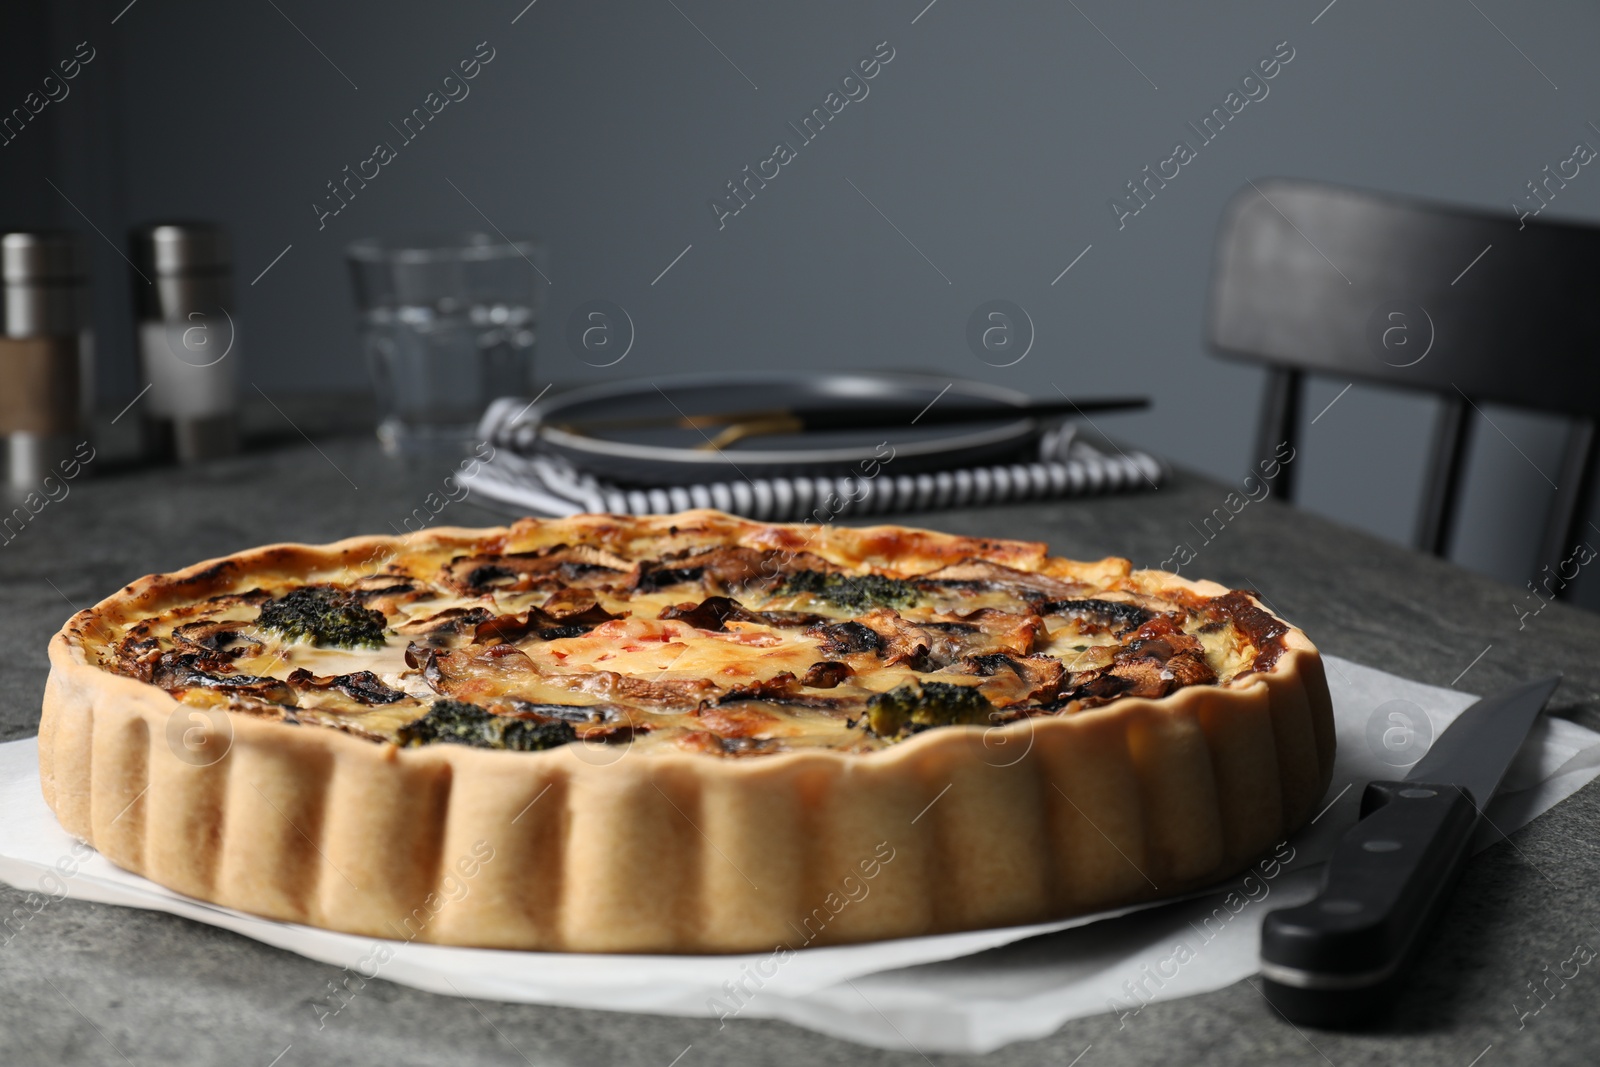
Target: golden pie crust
<point x="677" y="852"/>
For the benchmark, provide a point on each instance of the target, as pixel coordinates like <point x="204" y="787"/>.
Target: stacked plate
<point x="733" y="442"/>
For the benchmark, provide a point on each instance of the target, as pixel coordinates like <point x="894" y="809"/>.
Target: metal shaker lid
<point x="182" y="248"/>
<point x="42" y="256"/>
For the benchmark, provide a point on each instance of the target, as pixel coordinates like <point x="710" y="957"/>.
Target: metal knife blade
<point x="1336" y="960"/>
<point x="1477" y="749"/>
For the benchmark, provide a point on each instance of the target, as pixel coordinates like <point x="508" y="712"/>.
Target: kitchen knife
<point x="1338" y="960"/>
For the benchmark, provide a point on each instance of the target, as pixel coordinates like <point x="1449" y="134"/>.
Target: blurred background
<point x="980" y="165"/>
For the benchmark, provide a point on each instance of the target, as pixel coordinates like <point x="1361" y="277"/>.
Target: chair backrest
<point x="1474" y="307"/>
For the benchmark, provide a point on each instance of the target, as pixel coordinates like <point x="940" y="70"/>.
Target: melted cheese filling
<point x="639" y="670"/>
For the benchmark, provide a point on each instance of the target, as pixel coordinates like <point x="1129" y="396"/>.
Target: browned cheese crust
<point x="679" y="733"/>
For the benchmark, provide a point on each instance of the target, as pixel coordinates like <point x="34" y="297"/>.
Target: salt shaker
<point x="187" y="339"/>
<point x="46" y="355"/>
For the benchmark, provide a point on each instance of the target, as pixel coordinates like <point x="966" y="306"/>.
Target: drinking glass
<point x="447" y="325"/>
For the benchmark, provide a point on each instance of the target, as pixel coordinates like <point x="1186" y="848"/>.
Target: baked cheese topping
<point x="708" y="635"/>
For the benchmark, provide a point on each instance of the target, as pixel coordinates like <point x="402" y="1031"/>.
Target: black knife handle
<point x="1334" y="960"/>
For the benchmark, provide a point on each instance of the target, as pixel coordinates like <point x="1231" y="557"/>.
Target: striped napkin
<point x="527" y="479"/>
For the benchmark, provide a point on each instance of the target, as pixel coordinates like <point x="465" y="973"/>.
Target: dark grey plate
<point x="666" y="455"/>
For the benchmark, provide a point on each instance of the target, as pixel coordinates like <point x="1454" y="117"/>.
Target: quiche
<point x="688" y="733"/>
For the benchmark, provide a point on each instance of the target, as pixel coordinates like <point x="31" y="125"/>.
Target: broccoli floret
<point x="459" y="723"/>
<point x="855" y="591"/>
<point x="325" y="616"/>
<point x="907" y="709"/>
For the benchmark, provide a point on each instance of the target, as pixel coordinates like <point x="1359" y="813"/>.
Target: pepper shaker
<point x="46" y="353"/>
<point x="187" y="339"/>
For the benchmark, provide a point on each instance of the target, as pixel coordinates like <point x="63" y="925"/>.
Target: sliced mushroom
<point x="547" y="568"/>
<point x="726" y="568"/>
<point x="363" y="687"/>
<point x="986" y="574"/>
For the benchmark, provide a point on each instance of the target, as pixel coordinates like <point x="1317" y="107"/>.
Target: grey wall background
<point x="993" y="141"/>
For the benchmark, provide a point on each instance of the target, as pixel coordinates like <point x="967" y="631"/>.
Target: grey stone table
<point x="91" y="984"/>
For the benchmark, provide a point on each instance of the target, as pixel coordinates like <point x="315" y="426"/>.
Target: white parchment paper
<point x="969" y="992"/>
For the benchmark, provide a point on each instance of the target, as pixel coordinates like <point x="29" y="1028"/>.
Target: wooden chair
<point x="1471" y="306"/>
